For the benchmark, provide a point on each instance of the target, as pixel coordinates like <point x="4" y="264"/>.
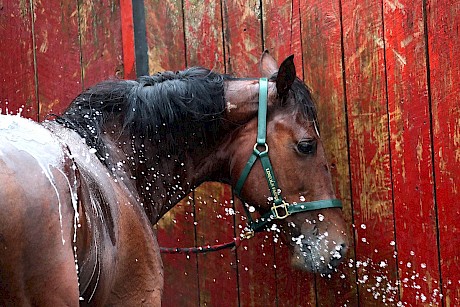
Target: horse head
<point x="294" y="188"/>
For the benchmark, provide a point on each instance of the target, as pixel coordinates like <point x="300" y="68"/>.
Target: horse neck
<point x="162" y="179"/>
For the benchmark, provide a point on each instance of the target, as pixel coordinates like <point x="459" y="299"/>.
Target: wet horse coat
<point x="79" y="193"/>
<point x="74" y="181"/>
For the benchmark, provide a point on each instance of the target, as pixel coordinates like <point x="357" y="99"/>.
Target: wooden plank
<point x="165" y="39"/>
<point x="443" y="23"/>
<point x="281" y="27"/>
<point x="165" y="35"/>
<point x="17" y="86"/>
<point x="204" y="34"/>
<point x="243" y="46"/>
<point x="256" y="265"/>
<point x="411" y="153"/>
<point x="243" y="42"/>
<point x="369" y="151"/>
<point x="218" y="279"/>
<point x="176" y="229"/>
<point x="58" y="54"/>
<point x="293" y="287"/>
<point x="322" y="58"/>
<point x="100" y="39"/>
<point x="127" y="34"/>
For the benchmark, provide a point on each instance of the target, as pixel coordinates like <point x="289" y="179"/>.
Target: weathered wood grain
<point x="165" y="35"/>
<point x="218" y="278"/>
<point x="282" y="37"/>
<point x="176" y="229"/>
<point x="100" y="39"/>
<point x="443" y="23"/>
<point x="322" y="64"/>
<point x="17" y="73"/>
<point x="369" y="151"/>
<point x="57" y="54"/>
<point x="411" y="153"/>
<point x="167" y="51"/>
<point x="127" y="34"/>
<point x="243" y="41"/>
<point x="204" y="34"/>
<point x="281" y="30"/>
<point x="256" y="265"/>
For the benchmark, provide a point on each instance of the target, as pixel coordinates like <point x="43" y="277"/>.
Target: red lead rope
<point x="201" y="249"/>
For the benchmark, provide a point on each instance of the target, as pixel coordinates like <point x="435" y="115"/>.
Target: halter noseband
<point x="280" y="209"/>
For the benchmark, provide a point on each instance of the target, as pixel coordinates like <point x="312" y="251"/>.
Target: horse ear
<point x="267" y="65"/>
<point x="241" y="99"/>
<point x="286" y="76"/>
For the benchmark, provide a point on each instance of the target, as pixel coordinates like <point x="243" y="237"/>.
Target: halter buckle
<point x="283" y="205"/>
<point x="248" y="234"/>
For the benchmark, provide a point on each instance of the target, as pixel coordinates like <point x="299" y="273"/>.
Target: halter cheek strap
<point x="280" y="208"/>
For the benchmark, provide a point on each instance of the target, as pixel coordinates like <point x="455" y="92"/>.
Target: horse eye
<point x="306" y="147"/>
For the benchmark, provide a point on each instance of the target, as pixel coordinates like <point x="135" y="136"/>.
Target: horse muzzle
<point x="318" y="253"/>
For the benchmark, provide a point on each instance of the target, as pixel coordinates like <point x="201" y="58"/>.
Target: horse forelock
<point x="169" y="106"/>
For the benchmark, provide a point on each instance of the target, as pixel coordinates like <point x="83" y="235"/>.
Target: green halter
<point x="280" y="208"/>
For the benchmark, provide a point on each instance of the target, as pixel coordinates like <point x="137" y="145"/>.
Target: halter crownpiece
<point x="280" y="209"/>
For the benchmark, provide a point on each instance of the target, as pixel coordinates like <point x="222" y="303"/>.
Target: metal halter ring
<point x="258" y="151"/>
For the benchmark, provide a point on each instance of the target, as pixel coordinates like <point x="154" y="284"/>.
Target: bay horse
<point x="79" y="193"/>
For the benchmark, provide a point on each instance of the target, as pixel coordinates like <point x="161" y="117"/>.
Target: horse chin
<point x="317" y="258"/>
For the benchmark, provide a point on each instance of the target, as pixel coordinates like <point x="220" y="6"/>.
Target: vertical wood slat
<point x="282" y="37"/>
<point x="443" y="24"/>
<point x="281" y="27"/>
<point x="217" y="274"/>
<point x="176" y="229"/>
<point x="17" y="76"/>
<point x="204" y="34"/>
<point x="100" y="40"/>
<point x="127" y="32"/>
<point x="58" y="54"/>
<point x="167" y="51"/>
<point x="215" y="225"/>
<point x="369" y="151"/>
<point x="165" y="35"/>
<point x="243" y="43"/>
<point x="411" y="152"/>
<point x="256" y="265"/>
<point x="322" y="58"/>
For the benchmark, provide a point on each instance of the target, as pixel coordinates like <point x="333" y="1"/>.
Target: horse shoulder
<point x="132" y="267"/>
<point x="36" y="218"/>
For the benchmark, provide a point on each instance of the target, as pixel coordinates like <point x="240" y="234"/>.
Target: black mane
<point x="179" y="106"/>
<point x="173" y="109"/>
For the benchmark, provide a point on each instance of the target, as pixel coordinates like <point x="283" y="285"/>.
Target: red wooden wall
<point x="385" y="75"/>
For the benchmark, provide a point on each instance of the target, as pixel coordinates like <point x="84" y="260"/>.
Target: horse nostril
<point x="343" y="247"/>
<point x="339" y="254"/>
